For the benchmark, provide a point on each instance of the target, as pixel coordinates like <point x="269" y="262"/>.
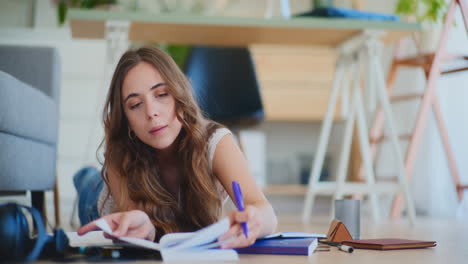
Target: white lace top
<point x="106" y="207"/>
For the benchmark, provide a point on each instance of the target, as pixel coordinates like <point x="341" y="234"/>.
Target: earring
<point x="130" y="133"/>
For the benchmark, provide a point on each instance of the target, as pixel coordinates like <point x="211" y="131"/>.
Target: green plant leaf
<point x="406" y="7"/>
<point x="422" y="10"/>
<point x="62" y="10"/>
<point x="179" y="53"/>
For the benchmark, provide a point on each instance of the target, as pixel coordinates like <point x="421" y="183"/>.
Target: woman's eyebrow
<point x="157" y="85"/>
<point x="136" y="94"/>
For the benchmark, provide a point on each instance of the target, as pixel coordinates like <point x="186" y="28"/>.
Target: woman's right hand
<point x="133" y="223"/>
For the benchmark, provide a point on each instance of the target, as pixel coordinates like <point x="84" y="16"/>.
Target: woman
<point x="167" y="168"/>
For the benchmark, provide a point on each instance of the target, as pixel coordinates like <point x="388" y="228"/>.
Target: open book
<point x="201" y="245"/>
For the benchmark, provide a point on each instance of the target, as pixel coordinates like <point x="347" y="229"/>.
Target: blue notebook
<point x="293" y="235"/>
<point x="282" y="246"/>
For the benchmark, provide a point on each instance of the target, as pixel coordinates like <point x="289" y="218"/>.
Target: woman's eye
<point x="134" y="106"/>
<point x="162" y="95"/>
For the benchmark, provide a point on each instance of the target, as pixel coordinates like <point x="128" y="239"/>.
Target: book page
<point x="93" y="238"/>
<point x="204" y="236"/>
<point x="172" y="239"/>
<point x="101" y="223"/>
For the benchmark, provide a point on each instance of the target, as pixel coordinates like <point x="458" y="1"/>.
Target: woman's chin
<point x="162" y="146"/>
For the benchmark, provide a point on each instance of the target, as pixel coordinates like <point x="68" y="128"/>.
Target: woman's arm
<point x="229" y="164"/>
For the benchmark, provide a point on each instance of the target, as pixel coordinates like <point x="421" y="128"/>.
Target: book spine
<point x="276" y="251"/>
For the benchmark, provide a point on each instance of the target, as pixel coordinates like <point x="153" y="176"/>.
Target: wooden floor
<point x="451" y="236"/>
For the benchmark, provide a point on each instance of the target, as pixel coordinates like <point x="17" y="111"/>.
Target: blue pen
<point x="240" y="203"/>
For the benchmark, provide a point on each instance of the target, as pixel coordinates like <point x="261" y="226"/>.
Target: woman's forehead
<point x="141" y="78"/>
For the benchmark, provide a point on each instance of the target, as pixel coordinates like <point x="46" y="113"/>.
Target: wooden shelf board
<point x="230" y="31"/>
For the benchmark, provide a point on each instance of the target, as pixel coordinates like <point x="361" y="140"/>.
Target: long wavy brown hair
<point x="134" y="163"/>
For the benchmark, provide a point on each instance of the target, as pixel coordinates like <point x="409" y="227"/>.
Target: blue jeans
<point x="88" y="184"/>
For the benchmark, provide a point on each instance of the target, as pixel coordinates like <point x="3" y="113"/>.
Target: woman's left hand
<point x="235" y="237"/>
<point x="134" y="223"/>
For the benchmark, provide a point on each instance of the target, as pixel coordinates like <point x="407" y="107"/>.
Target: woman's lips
<point x="157" y="131"/>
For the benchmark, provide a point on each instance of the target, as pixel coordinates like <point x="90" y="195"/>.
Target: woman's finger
<point x="232" y="232"/>
<point x="238" y="239"/>
<point x="247" y="215"/>
<point x="240" y="242"/>
<point x="91" y="226"/>
<point x="240" y="217"/>
<point x="124" y="223"/>
<point x="142" y="232"/>
<point x="87" y="228"/>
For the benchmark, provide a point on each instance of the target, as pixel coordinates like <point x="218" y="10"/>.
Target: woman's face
<point x="149" y="107"/>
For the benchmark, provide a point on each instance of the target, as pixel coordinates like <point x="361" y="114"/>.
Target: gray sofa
<point x="29" y="98"/>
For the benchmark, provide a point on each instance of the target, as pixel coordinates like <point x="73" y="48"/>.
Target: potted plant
<point x="431" y="14"/>
<point x="63" y="5"/>
<point x="178" y="52"/>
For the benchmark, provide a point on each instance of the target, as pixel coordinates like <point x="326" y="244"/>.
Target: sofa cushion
<point x="26" y="164"/>
<point x="33" y="65"/>
<point x="27" y="112"/>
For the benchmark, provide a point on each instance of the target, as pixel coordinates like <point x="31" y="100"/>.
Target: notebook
<point x="389" y="243"/>
<point x="201" y="245"/>
<point x="282" y="246"/>
<point x="293" y="235"/>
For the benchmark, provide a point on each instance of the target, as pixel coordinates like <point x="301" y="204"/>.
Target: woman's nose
<point x="151" y="110"/>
